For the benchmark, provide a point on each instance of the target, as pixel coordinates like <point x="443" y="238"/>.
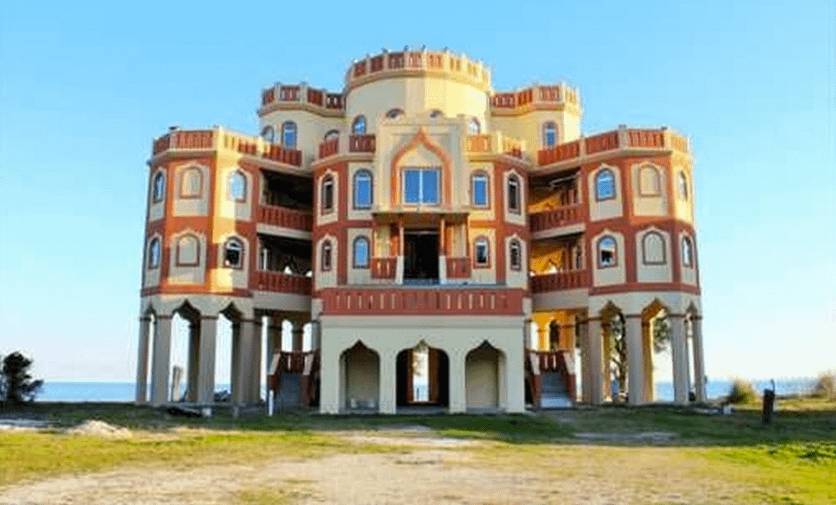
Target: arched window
<point x="237" y="189"/>
<point x="188" y="251"/>
<point x="549" y="134"/>
<point x="475" y="127"/>
<point x="331" y="134"/>
<point x="687" y="252"/>
<point x="604" y="185"/>
<point x="154" y="253"/>
<point x="479" y="190"/>
<point x="327" y="194"/>
<point x="325" y="255"/>
<point x="268" y="134"/>
<point x="358" y="127"/>
<point x="683" y="186"/>
<point x="362" y="189"/>
<point x="649" y="184"/>
<point x="191" y="183"/>
<point x="514" y="204"/>
<point x="361" y="252"/>
<point x="234" y="253"/>
<point x="607" y="253"/>
<point x="158" y="187"/>
<point x="515" y="254"/>
<point x="289" y="134"/>
<point x="436" y="113"/>
<point x="393" y="113"/>
<point x="653" y="248"/>
<point x="482" y="252"/>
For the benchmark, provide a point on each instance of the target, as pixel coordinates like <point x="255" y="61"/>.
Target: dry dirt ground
<point x="426" y="470"/>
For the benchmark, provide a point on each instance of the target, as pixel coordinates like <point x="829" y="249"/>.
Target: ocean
<point x="125" y="391"/>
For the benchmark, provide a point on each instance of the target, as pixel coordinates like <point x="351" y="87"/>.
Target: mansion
<point x="440" y="245"/>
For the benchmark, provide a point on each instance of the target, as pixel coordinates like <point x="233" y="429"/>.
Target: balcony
<point x="661" y="139"/>
<point x="533" y="96"/>
<point x="562" y="216"/>
<point x="353" y="144"/>
<point x="422" y="301"/>
<point x="285" y="218"/>
<point x="300" y="94"/>
<point x="278" y="282"/>
<point x="458" y="268"/>
<point x="222" y="139"/>
<point x="494" y="143"/>
<point x="383" y="268"/>
<point x="560" y="281"/>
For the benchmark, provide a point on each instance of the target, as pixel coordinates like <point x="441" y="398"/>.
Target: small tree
<point x="16" y="385"/>
<point x="618" y="356"/>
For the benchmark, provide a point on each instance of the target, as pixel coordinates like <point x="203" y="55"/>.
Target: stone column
<point x="255" y="364"/>
<point x="388" y="403"/>
<point x="298" y="333"/>
<point x="458" y="377"/>
<point x="679" y="356"/>
<point x="329" y="386"/>
<point x="161" y="361"/>
<point x="142" y="360"/>
<point x="242" y="391"/>
<point x="699" y="358"/>
<point x="511" y="379"/>
<point x="595" y="351"/>
<point x="316" y="335"/>
<point x="206" y="375"/>
<point x="635" y="360"/>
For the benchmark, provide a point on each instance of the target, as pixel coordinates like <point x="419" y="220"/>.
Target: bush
<point x="16" y="385"/>
<point x="742" y="391"/>
<point x="825" y="386"/>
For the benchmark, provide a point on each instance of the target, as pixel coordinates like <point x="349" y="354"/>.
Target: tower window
<point x="607" y="252"/>
<point x="233" y="253"/>
<point x="515" y="254"/>
<point x="480" y="190"/>
<point x="653" y="249"/>
<point x="237" y="190"/>
<point x="549" y="134"/>
<point x="475" y="127"/>
<point x="158" y="189"/>
<point x="649" y="184"/>
<point x="191" y="183"/>
<point x="327" y="194"/>
<point x="683" y="186"/>
<point x="514" y="194"/>
<point x="358" y="127"/>
<point x="289" y="134"/>
<point x="325" y="256"/>
<point x="188" y="250"/>
<point x="361" y="252"/>
<point x="154" y="253"/>
<point x="268" y="134"/>
<point x="604" y="185"/>
<point x="482" y="252"/>
<point x="687" y="252"/>
<point x="362" y="189"/>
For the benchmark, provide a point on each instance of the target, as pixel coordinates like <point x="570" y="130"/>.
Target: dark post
<point x="768" y="405"/>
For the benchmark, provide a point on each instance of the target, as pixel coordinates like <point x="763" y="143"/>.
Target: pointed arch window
<point x="653" y="248"/>
<point x="687" y="252"/>
<point x="234" y="253"/>
<point x="362" y="189"/>
<point x="481" y="248"/>
<point x="237" y="189"/>
<point x="358" y="127"/>
<point x="327" y="195"/>
<point x="514" y="200"/>
<point x="515" y="254"/>
<point x="268" y="134"/>
<point x="475" y="127"/>
<point x="607" y="252"/>
<point x="549" y="134"/>
<point x="188" y="251"/>
<point x="649" y="184"/>
<point x="191" y="183"/>
<point x="361" y="252"/>
<point x="331" y="134"/>
<point x="479" y="190"/>
<point x="289" y="134"/>
<point x="604" y="185"/>
<point x="154" y="253"/>
<point x="158" y="187"/>
<point x="325" y="256"/>
<point x="683" y="186"/>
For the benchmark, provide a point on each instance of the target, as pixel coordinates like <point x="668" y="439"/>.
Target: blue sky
<point x="84" y="87"/>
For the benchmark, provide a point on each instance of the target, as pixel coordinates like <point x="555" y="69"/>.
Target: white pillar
<point x="330" y="383"/>
<point x="255" y="363"/>
<point x="388" y="402"/>
<point x="679" y="356"/>
<point x="298" y="333"/>
<point x="142" y="360"/>
<point x="699" y="358"/>
<point x="512" y="378"/>
<point x="206" y="377"/>
<point x="595" y="351"/>
<point x="161" y="361"/>
<point x="458" y="377"/>
<point x="635" y="359"/>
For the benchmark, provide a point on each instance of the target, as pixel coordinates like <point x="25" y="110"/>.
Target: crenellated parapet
<point x="418" y="63"/>
<point x="301" y="96"/>
<point x="552" y="97"/>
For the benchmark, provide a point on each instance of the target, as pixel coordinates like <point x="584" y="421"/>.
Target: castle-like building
<point x="451" y="245"/>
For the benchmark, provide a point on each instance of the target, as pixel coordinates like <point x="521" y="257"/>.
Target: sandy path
<point x="433" y="474"/>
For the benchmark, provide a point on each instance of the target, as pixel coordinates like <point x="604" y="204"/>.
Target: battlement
<point x="286" y="96"/>
<point x="420" y="62"/>
<point x="534" y="97"/>
<point x="218" y="138"/>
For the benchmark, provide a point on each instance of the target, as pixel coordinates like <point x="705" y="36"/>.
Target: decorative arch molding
<point x="200" y="253"/>
<point x="421" y="139"/>
<point x="593" y="182"/>
<point x="646" y="176"/>
<point x="359" y="344"/>
<point x="181" y="170"/>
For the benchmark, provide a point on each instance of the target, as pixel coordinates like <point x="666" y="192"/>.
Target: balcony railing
<point x="301" y="93"/>
<point x="494" y="143"/>
<point x="353" y="144"/>
<point x="284" y="217"/>
<point x="560" y="281"/>
<point x="622" y="138"/>
<point x="561" y="216"/>
<point x="278" y="282"/>
<point x="184" y="139"/>
<point x="220" y="138"/>
<point x="458" y="268"/>
<point x="361" y="143"/>
<point x="383" y="268"/>
<point x="559" y="93"/>
<point x="421" y="301"/>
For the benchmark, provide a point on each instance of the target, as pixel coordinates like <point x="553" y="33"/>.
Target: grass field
<point x="648" y="455"/>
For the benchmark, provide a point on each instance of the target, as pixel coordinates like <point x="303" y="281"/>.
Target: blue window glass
<point x="549" y="134"/>
<point x="362" y="190"/>
<point x="358" y="127"/>
<point x="289" y="134"/>
<point x="159" y="187"/>
<point x="237" y="186"/>
<point x="421" y="185"/>
<point x="605" y="185"/>
<point x="412" y="186"/>
<point x="480" y="190"/>
<point x="429" y="186"/>
<point x="361" y="252"/>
